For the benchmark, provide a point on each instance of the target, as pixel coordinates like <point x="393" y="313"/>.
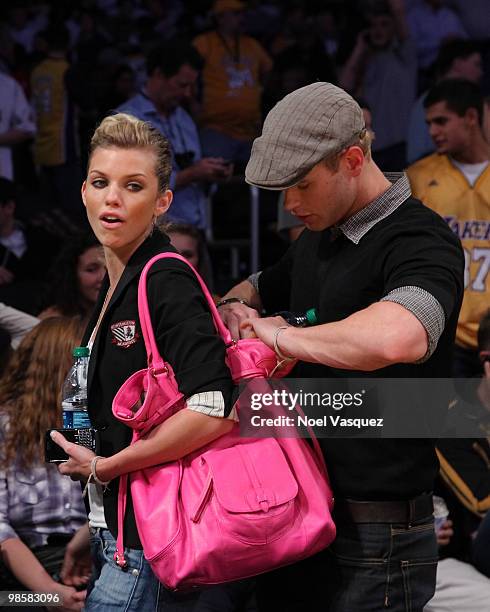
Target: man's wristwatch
<point x="232" y="300"/>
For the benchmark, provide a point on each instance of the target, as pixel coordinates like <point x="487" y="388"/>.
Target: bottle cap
<point x="311" y="316"/>
<point x="81" y="351"/>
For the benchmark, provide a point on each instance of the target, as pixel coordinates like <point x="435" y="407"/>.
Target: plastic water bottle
<point x="299" y="320"/>
<point x="74" y="394"/>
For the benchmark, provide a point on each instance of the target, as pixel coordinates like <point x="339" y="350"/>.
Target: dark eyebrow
<point x="436" y="119"/>
<point x="127" y="176"/>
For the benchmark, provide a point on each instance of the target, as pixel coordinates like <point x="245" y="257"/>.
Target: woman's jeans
<point x="112" y="588"/>
<point x="136" y="588"/>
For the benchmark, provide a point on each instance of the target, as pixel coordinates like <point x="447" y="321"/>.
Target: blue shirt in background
<point x="189" y="203"/>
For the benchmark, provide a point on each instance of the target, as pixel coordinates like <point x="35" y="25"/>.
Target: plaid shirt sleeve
<point x="426" y="308"/>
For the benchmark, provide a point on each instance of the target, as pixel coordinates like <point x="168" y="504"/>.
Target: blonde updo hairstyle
<point x="127" y="132"/>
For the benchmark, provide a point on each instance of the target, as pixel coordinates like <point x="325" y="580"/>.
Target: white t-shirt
<point x="471" y="171"/>
<point x="15" y="112"/>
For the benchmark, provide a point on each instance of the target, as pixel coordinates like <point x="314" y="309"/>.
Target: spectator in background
<point x="75" y="278"/>
<point x="91" y="37"/>
<point x="40" y="511"/>
<point x="457" y="59"/>
<point x="122" y="87"/>
<point x="293" y="25"/>
<point x="486" y="119"/>
<point x="25" y="24"/>
<point x="189" y="242"/>
<point x="55" y="146"/>
<point x="466" y="489"/>
<point x="173" y="69"/>
<point x="13" y="243"/>
<point x="27" y="249"/>
<point x="455" y="182"/>
<point x="431" y="23"/>
<point x="16" y="323"/>
<point x="235" y="67"/>
<point x="475" y="18"/>
<point x="16" y="122"/>
<point x="382" y="69"/>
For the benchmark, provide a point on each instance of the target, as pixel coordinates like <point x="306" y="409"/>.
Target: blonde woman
<point x="126" y="189"/>
<point x="40" y="511"/>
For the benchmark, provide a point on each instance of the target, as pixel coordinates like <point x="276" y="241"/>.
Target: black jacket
<point x="185" y="336"/>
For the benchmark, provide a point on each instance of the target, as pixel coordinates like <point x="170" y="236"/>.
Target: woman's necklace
<point x="107" y="299"/>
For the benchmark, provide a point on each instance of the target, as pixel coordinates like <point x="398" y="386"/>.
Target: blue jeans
<point x="377" y="566"/>
<point x="112" y="588"/>
<point x="136" y="588"/>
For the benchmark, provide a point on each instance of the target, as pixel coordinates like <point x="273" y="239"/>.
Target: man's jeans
<point x="378" y="566"/>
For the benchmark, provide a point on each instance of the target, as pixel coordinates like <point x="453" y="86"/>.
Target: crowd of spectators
<point x="205" y="73"/>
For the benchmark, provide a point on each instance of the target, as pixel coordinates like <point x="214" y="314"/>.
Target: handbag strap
<point x="121" y="510"/>
<point x="154" y="358"/>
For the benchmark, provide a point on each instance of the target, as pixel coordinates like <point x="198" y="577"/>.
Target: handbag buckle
<point x="120" y="560"/>
<point x="157" y="371"/>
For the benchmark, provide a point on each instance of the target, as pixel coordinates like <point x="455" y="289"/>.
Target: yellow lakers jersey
<point x="445" y="189"/>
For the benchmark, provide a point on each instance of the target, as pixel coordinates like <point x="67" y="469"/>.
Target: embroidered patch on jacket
<point x="124" y="333"/>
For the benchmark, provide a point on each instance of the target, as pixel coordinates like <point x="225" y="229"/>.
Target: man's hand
<point x="77" y="564"/>
<point x="212" y="169"/>
<point x="78" y="465"/>
<point x="445" y="533"/>
<point x="234" y="315"/>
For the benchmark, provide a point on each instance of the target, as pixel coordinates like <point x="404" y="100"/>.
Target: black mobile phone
<point x="85" y="436"/>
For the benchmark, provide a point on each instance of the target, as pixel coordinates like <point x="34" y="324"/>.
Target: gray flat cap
<point x="308" y="125"/>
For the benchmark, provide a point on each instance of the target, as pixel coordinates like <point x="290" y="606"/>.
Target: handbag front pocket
<point x="251" y="491"/>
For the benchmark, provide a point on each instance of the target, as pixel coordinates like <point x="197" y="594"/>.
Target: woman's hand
<point x="265" y="328"/>
<point x="78" y="465"/>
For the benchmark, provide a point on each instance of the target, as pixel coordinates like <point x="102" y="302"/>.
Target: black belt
<point x="409" y="511"/>
<point x="58" y="539"/>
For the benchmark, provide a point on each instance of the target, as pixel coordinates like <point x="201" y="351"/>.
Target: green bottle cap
<point x="81" y="351"/>
<point x="311" y="316"/>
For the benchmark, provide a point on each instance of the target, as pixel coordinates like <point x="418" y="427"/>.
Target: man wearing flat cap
<point x="385" y="275"/>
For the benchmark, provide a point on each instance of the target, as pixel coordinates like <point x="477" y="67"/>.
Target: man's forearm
<point x="378" y="336"/>
<point x="245" y="291"/>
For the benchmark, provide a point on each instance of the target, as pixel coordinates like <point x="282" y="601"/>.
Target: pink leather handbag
<point x="233" y="509"/>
